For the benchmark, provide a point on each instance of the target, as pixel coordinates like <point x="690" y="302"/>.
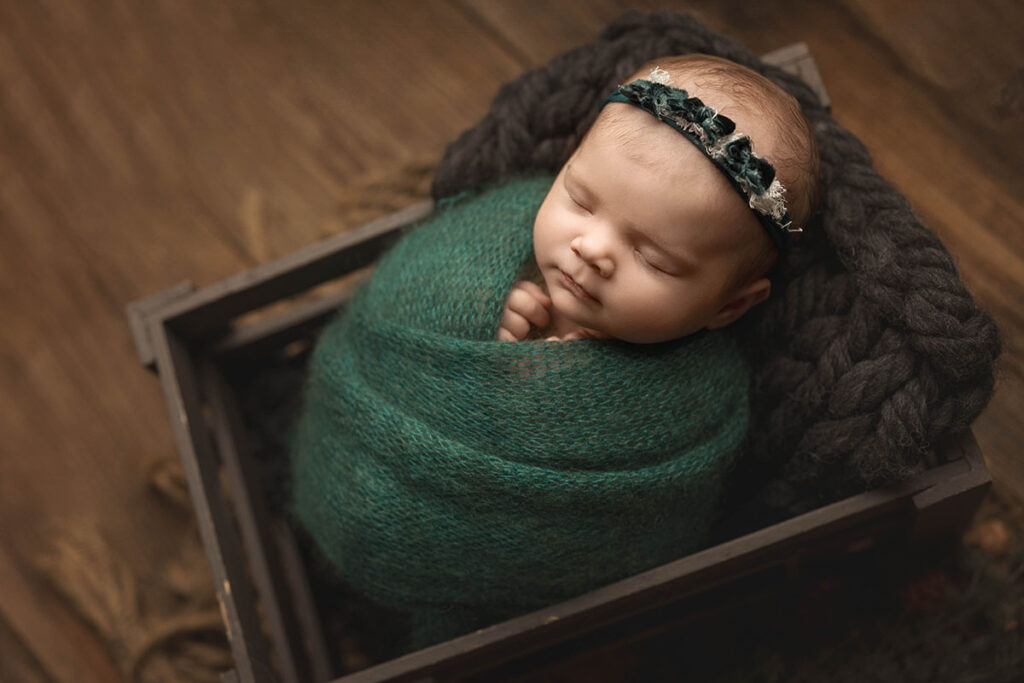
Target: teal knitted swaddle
<point x="465" y="480"/>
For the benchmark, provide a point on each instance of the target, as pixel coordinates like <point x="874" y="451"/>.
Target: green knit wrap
<point x="466" y="480"/>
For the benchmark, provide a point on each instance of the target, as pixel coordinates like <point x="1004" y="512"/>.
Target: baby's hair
<point x="795" y="157"/>
<point x="794" y="154"/>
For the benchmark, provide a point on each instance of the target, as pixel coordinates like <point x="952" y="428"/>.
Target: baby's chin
<point x="631" y="335"/>
<point x="567" y="321"/>
<point x="596" y="334"/>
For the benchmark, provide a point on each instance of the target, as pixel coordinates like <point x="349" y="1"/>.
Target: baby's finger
<point x="505" y="335"/>
<point x="535" y="291"/>
<point x="571" y="336"/>
<point x="529" y="307"/>
<point x="516" y="324"/>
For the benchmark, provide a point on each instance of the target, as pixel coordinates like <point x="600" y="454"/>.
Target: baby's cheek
<point x="655" y="317"/>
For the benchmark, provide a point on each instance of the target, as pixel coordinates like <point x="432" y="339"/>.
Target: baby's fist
<point x="527" y="306"/>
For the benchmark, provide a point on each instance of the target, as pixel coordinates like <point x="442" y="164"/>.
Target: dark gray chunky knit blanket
<point x="870" y="350"/>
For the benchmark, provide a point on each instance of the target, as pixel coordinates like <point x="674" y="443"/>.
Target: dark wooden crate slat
<point x="221" y="543"/>
<point x="276" y="330"/>
<point x="139" y="312"/>
<point x="211" y="307"/>
<point x="945" y="509"/>
<point x="286" y="632"/>
<point x="797" y="59"/>
<point x="302" y="596"/>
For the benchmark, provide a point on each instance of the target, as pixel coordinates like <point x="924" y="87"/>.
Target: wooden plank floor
<point x="146" y="143"/>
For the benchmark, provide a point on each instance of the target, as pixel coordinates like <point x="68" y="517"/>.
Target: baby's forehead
<point x="631" y="132"/>
<point x="679" y="181"/>
<point x="623" y="132"/>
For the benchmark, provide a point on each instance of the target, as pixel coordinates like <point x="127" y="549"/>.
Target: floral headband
<point x="715" y="135"/>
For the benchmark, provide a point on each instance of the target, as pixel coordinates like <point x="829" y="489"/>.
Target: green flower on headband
<point x="756" y="172"/>
<point x="716" y="124"/>
<point x="672" y="104"/>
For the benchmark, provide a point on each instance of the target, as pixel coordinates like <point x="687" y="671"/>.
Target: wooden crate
<point x="201" y="341"/>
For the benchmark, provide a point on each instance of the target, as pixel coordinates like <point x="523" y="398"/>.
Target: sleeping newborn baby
<point x="642" y="236"/>
<point x="454" y="465"/>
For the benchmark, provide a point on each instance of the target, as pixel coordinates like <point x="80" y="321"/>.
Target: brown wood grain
<point x="146" y="143"/>
<point x="17" y="663"/>
<point x="60" y="644"/>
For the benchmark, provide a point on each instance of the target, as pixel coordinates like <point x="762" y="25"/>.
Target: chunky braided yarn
<point x="870" y="350"/>
<point x="463" y="479"/>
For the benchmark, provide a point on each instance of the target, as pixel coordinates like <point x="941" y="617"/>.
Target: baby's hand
<point x="527" y="306"/>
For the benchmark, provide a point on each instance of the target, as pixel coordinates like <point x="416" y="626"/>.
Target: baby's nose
<point x="595" y="253"/>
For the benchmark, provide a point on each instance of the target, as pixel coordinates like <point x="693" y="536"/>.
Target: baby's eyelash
<point x="640" y="255"/>
<point x="577" y="203"/>
<point x="647" y="262"/>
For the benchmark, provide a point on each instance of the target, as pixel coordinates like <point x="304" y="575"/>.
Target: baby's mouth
<point x="576" y="288"/>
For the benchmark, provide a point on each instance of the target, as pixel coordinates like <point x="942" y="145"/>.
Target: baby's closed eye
<point x="653" y="260"/>
<point x="580" y="205"/>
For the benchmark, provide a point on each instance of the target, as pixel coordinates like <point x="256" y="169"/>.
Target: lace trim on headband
<point x="716" y="136"/>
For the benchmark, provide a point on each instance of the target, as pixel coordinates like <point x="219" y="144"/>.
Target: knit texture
<point x="466" y="480"/>
<point x="870" y="350"/>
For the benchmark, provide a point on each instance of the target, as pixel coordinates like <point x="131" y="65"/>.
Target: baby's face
<point x="641" y="239"/>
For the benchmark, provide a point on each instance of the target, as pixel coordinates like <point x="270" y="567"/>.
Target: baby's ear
<point x="743" y="300"/>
